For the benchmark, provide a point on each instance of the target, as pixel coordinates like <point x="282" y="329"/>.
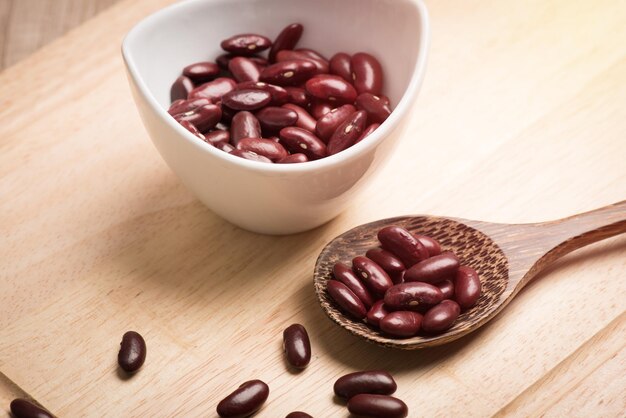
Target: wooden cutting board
<point x="521" y="118"/>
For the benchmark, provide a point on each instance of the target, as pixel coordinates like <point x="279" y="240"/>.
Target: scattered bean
<point x="245" y="400"/>
<point x="372" y="381"/>
<point x="377" y="406"/>
<point x="22" y="408"/>
<point x="298" y="414"/>
<point x="297" y="346"/>
<point x="132" y="352"/>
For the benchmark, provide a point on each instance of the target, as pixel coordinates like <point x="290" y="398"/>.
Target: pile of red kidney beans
<point x="292" y="106"/>
<point x="407" y="286"/>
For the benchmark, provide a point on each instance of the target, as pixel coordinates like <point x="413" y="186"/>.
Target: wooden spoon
<point x="506" y="257"/>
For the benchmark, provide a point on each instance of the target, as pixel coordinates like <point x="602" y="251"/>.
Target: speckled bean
<point x="288" y="73"/>
<point x="328" y="124"/>
<point x="347" y="133"/>
<point x="377" y="110"/>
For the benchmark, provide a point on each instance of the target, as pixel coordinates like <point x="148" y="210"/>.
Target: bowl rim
<point x="353" y="152"/>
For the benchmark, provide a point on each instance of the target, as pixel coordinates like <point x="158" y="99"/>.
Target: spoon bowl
<point x="505" y="256"/>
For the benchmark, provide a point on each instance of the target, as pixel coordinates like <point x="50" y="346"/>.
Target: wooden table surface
<point x="521" y="119"/>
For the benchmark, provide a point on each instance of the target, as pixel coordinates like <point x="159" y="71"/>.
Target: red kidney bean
<point x="204" y="117"/>
<point x="377" y="406"/>
<point x="305" y="120"/>
<point x="298" y="140"/>
<point x="259" y="61"/>
<point x="441" y="317"/>
<point x="249" y="155"/>
<point x="264" y="147"/>
<point x="184" y="106"/>
<point x="346" y="299"/>
<point x="298" y="414"/>
<point x="377" y="382"/>
<point x="181" y="88"/>
<point x="191" y="128"/>
<point x="311" y="53"/>
<point x="377" y="110"/>
<point x="328" y="124"/>
<point x="366" y="73"/>
<point x="246" y="44"/>
<point x="371" y="128"/>
<point x="345" y="275"/>
<point x="247" y="99"/>
<point x="288" y="73"/>
<point x="297" y="346"/>
<point x="376" y="313"/>
<point x="389" y="262"/>
<point x="320" y="108"/>
<point x="244" y="125"/>
<point x="375" y="278"/>
<point x="321" y="66"/>
<point x="273" y="119"/>
<point x="412" y="296"/>
<point x="403" y="324"/>
<point x="433" y="247"/>
<point x="244" y="69"/>
<point x="227" y="114"/>
<point x="132" y="352"/>
<point x="217" y="137"/>
<point x="214" y="90"/>
<point x="223" y="60"/>
<point x="294" y="158"/>
<point x="201" y="72"/>
<point x="467" y="287"/>
<point x="226" y="147"/>
<point x="433" y="269"/>
<point x="340" y="65"/>
<point x="400" y="242"/>
<point x="279" y="94"/>
<point x="331" y="88"/>
<point x="286" y="40"/>
<point x="447" y="288"/>
<point x="22" y="408"/>
<point x="298" y="96"/>
<point x="245" y="400"/>
<point x="347" y="133"/>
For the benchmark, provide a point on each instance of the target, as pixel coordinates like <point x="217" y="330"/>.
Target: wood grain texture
<point x="520" y="120"/>
<point x="27" y="25"/>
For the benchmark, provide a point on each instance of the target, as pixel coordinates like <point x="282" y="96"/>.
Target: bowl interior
<point x="191" y="31"/>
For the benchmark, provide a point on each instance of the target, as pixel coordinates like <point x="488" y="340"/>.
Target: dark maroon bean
<point x="433" y="247"/>
<point x="467" y="287"/>
<point x="264" y="147"/>
<point x="297" y="346"/>
<point x="340" y="65"/>
<point x="286" y="39"/>
<point x="260" y="62"/>
<point x="376" y="313"/>
<point x="447" y="288"/>
<point x="328" y="124"/>
<point x="371" y="128"/>
<point x="22" y="408"/>
<point x="305" y="120"/>
<point x="441" y="317"/>
<point x="244" y="125"/>
<point x="227" y="114"/>
<point x="321" y="66"/>
<point x="214" y="90"/>
<point x="400" y="242"/>
<point x="204" y="117"/>
<point x="224" y="146"/>
<point x="201" y="72"/>
<point x="298" y="414"/>
<point x="191" y="128"/>
<point x="377" y="382"/>
<point x="298" y="96"/>
<point x="245" y="400"/>
<point x="375" y="278"/>
<point x="346" y="276"/>
<point x="366" y="73"/>
<point x="279" y="94"/>
<point x="347" y="133"/>
<point x="346" y="299"/>
<point x="132" y="352"/>
<point x="412" y="296"/>
<point x="246" y="44"/>
<point x="246" y="99"/>
<point x="377" y="110"/>
<point x="312" y="54"/>
<point x="331" y="88"/>
<point x="216" y="137"/>
<point x="377" y="406"/>
<point x="433" y="269"/>
<point x="244" y="69"/>
<point x="319" y="108"/>
<point x="181" y="88"/>
<point x="223" y="60"/>
<point x="184" y="106"/>
<point x="288" y="73"/>
<point x="389" y="262"/>
<point x="294" y="158"/>
<point x="249" y="155"/>
<point x="403" y="324"/>
<point x="298" y="140"/>
<point x="273" y="119"/>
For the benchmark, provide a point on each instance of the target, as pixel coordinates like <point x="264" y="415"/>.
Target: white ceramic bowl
<point x="261" y="197"/>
